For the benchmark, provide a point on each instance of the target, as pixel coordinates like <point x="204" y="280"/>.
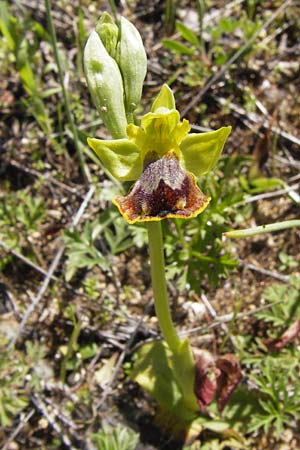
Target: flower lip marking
<point x="163" y="190"/>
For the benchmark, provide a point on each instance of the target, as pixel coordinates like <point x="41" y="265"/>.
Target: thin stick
<point x="227" y="318"/>
<point x="271" y="194"/>
<point x="235" y="57"/>
<point x="208" y="306"/>
<point x="45" y="176"/>
<point x="51" y="270"/>
<point x="40" y="406"/>
<point x="17" y="430"/>
<point x="269" y="273"/>
<point x="24" y="259"/>
<point x="122" y="357"/>
<point x="83" y="166"/>
<point x="257" y="119"/>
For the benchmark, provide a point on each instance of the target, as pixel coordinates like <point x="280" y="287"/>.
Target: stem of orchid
<point x="159" y="286"/>
<point x="130" y="117"/>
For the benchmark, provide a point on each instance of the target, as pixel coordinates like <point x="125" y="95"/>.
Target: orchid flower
<point x="163" y="159"/>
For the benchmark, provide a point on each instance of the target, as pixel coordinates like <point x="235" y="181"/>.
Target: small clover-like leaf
<point x="121" y="157"/>
<point x="200" y="152"/>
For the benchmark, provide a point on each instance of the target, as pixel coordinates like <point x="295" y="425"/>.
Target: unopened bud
<point x="108" y="32"/>
<point x="132" y="60"/>
<point x="105" y="85"/>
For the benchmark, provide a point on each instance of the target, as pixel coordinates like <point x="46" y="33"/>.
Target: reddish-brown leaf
<point x="205" y="378"/>
<point x="228" y="379"/>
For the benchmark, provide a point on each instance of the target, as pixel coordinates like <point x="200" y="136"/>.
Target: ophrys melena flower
<point x="164" y="159"/>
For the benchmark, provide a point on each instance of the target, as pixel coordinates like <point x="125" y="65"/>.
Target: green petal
<point x="182" y="130"/>
<point x="164" y="99"/>
<point x="136" y="135"/>
<point x="200" y="152"/>
<point x="121" y="157"/>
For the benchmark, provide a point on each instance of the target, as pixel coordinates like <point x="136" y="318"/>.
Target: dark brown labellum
<point x="163" y="190"/>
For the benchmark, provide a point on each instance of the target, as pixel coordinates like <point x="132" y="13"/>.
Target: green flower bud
<point x="132" y="61"/>
<point x="105" y="85"/>
<point x="109" y="33"/>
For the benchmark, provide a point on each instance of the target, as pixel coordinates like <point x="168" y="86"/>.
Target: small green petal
<point x="182" y="130"/>
<point x="136" y="135"/>
<point x="121" y="157"/>
<point x="200" y="152"/>
<point x="164" y="99"/>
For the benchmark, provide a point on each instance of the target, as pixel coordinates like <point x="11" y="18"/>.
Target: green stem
<point x="236" y="234"/>
<point x="159" y="286"/>
<point x="83" y="167"/>
<point x="170" y="15"/>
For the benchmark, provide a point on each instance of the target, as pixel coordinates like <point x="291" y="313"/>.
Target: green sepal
<point x="164" y="99"/>
<point x="105" y="85"/>
<point x="200" y="152"/>
<point x="121" y="157"/>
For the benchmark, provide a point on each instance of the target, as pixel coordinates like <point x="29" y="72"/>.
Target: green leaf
<point x="121" y="157"/>
<point x="82" y="252"/>
<point x="8" y="26"/>
<point x="177" y="47"/>
<point x="187" y="33"/>
<point x="216" y="425"/>
<point x="202" y="151"/>
<point x="118" y="438"/>
<point x="153" y="373"/>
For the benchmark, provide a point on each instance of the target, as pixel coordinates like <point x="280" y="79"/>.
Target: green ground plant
<point x="22" y="212"/>
<point x="16" y="380"/>
<point x="273" y="362"/>
<point x="117" y="438"/>
<point x="25" y="55"/>
<point x="195" y="59"/>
